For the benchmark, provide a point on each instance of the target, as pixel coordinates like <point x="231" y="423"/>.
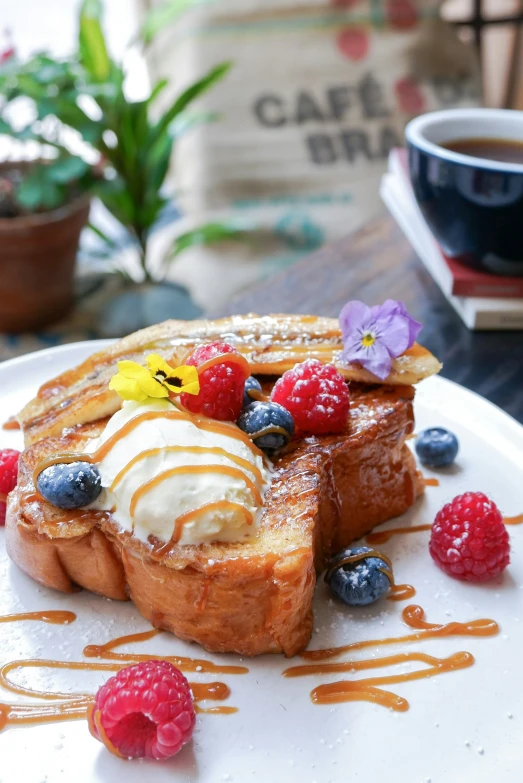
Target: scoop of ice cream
<point x="178" y="477"/>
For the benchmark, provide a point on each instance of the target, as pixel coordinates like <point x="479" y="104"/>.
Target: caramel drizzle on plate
<point x="413" y="616"/>
<point x="517" y="520"/>
<point x="74" y="706"/>
<point x="382" y="536"/>
<point x="366" y="689"/>
<point x="11" y="424"/>
<point x="52" y="616"/>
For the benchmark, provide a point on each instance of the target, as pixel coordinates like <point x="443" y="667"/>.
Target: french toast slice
<point x="251" y="597"/>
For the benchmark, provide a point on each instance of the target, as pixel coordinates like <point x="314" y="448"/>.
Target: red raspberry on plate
<point x="316" y="395"/>
<point x="144" y="711"/>
<point x="221" y="385"/>
<point x="8" y="477"/>
<point x="469" y="539"/>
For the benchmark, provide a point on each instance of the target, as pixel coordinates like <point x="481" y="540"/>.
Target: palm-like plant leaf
<point x="93" y="51"/>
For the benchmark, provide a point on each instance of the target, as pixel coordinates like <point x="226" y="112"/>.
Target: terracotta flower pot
<point x="37" y="261"/>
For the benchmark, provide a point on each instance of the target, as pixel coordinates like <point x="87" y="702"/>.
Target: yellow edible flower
<point x="158" y="379"/>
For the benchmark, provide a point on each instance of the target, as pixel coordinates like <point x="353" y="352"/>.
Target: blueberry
<point x="360" y="582"/>
<point x="70" y="485"/>
<point x="436" y="447"/>
<point x="258" y="416"/>
<point x="251" y="385"/>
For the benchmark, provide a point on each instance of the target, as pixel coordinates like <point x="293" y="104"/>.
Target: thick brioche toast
<point x="251" y="597"/>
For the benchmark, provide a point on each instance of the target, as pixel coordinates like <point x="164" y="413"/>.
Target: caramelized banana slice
<point x="272" y="344"/>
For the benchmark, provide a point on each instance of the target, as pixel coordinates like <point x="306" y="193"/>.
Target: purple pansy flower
<point x="373" y="336"/>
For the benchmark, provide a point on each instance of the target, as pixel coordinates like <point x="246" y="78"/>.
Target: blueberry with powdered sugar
<point x="269" y="425"/>
<point x="70" y="485"/>
<point x="359" y="576"/>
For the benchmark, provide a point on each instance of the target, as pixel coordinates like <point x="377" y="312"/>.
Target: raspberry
<point x="144" y="711"/>
<point x="8" y="477"/>
<point x="221" y="386"/>
<point x="317" y="396"/>
<point x="469" y="539"/>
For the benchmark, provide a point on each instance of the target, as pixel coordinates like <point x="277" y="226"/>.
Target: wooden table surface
<point x="377" y="263"/>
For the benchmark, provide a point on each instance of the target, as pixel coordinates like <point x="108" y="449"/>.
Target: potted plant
<point x="92" y="140"/>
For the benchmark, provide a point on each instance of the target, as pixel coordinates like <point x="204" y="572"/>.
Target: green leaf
<point x="165" y="14"/>
<point x="157" y="89"/>
<point x="191" y="119"/>
<point x="157" y="162"/>
<point x="67" y="169"/>
<point x="190" y="94"/>
<point x="38" y="191"/>
<point x="111" y="244"/>
<point x="30" y="192"/>
<point x="208" y="234"/>
<point x="53" y="196"/>
<point x="116" y="197"/>
<point x="93" y="51"/>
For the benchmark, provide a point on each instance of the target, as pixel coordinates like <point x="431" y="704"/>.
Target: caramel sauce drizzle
<point x="225" y="470"/>
<point x="58" y="459"/>
<point x="52" y="616"/>
<point x="517" y="520"/>
<point x="229" y="358"/>
<point x="304" y="348"/>
<point x="366" y="689"/>
<point x="75" y="706"/>
<point x="257" y="395"/>
<point x="357" y="557"/>
<point x="218" y="505"/>
<point x="11" y="424"/>
<point x="201" y="422"/>
<point x="269" y="430"/>
<point x="242" y="463"/>
<point x="381" y="536"/>
<point x="401" y="592"/>
<point x="185" y="664"/>
<point x="416" y="350"/>
<point x="431" y="482"/>
<point x="413" y="616"/>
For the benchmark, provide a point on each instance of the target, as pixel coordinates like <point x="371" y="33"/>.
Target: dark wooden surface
<point x="377" y="263"/>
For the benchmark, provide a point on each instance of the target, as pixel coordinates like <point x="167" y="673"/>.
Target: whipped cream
<point x="156" y="473"/>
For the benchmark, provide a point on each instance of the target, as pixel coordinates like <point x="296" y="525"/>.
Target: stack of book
<point x="483" y="301"/>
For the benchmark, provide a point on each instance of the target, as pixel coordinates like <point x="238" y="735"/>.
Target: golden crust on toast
<point x="272" y="344"/>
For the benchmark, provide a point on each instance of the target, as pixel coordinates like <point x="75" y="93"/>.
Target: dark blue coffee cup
<point x="473" y="206"/>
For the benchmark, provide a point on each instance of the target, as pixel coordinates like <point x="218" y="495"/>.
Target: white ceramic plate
<point x="461" y="726"/>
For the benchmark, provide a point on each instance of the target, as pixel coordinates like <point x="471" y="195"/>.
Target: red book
<point x="465" y="280"/>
